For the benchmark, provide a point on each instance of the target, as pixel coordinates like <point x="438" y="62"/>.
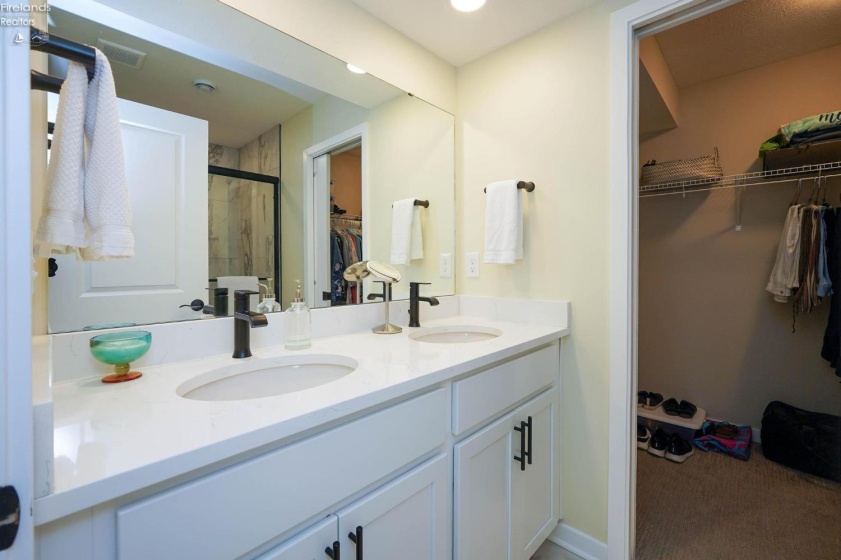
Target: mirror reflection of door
<point x="338" y="232"/>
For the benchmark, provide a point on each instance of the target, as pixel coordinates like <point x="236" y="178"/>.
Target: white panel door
<point x="166" y="169"/>
<point x="535" y="491"/>
<point x="408" y="519"/>
<point x="321" y="222"/>
<point x="484" y="465"/>
<point x="15" y="285"/>
<point x="309" y="544"/>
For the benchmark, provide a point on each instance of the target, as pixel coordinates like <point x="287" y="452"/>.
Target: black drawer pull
<point x="334" y="552"/>
<point x="523" y="453"/>
<point x="356" y="538"/>
<point x="528" y="453"/>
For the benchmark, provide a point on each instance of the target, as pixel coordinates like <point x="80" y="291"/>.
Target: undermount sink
<point x="267" y="377"/>
<point x="455" y="334"/>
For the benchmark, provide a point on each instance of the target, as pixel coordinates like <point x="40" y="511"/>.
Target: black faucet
<point x="244" y="321"/>
<point x="382" y="295"/>
<point x="415" y="299"/>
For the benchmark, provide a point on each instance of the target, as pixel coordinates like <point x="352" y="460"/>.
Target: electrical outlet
<point x="445" y="265"/>
<point x="471" y="265"/>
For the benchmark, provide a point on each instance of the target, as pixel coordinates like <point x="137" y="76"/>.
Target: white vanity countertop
<point x="111" y="440"/>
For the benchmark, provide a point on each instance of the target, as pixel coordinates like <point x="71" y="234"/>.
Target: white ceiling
<point x="460" y="37"/>
<point x="748" y="35"/>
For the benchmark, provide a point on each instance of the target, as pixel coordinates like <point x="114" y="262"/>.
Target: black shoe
<point x="652" y="401"/>
<point x="643" y="437"/>
<point x="686" y="409"/>
<point x="642" y="396"/>
<point x="678" y="449"/>
<point x="659" y="443"/>
<point x="671" y="407"/>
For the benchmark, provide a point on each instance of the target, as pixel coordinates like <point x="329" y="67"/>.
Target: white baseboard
<point x="578" y="543"/>
<point x="756" y="435"/>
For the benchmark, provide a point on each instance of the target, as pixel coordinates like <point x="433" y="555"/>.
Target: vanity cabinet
<point x="468" y="470"/>
<point x="406" y="519"/>
<point x="507" y="496"/>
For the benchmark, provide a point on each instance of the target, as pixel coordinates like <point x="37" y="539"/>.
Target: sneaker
<point x="678" y="450"/>
<point x="643" y="437"/>
<point x="642" y="396"/>
<point x="658" y="444"/>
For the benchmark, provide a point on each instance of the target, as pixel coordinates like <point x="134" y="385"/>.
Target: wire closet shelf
<point x="742" y="180"/>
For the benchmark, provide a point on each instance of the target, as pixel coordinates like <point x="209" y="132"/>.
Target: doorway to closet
<point x="738" y="315"/>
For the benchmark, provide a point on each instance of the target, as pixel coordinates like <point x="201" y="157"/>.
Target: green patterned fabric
<point x="809" y="124"/>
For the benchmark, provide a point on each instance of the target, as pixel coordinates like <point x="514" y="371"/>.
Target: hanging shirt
<point x="784" y="275"/>
<point x="824" y="281"/>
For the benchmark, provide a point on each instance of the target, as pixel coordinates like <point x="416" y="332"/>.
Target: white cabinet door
<point x="166" y="170"/>
<point x="408" y="519"/>
<point x="535" y="491"/>
<point x="309" y="544"/>
<point x="484" y="466"/>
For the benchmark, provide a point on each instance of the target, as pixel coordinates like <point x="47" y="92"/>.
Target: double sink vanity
<point x="439" y="442"/>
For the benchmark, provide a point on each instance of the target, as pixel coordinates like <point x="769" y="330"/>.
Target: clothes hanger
<point x="796" y="198"/>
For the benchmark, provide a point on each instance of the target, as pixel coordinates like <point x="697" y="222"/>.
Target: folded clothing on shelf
<point x="798" y="128"/>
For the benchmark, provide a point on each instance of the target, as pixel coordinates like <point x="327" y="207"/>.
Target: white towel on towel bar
<point x="107" y="204"/>
<point x="61" y="228"/>
<point x="503" y="223"/>
<point x="406" y="234"/>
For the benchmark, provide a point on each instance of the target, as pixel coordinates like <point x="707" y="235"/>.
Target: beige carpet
<point x="714" y="507"/>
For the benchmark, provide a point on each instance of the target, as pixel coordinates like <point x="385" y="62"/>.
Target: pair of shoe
<point x="649" y="401"/>
<point x="672" y="447"/>
<point x="684" y="409"/>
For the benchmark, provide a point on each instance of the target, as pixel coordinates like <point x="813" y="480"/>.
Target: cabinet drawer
<point x="229" y="513"/>
<point x="484" y="395"/>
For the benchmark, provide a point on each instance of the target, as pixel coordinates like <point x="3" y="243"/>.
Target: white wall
<point x="537" y="110"/>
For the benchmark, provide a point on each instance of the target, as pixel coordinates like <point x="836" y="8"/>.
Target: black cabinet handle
<point x="195" y="305"/>
<point x="523" y="453"/>
<point x="334" y="552"/>
<point x="529" y="427"/>
<point x="357" y="539"/>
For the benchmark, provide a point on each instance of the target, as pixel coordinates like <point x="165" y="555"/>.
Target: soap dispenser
<point x="297" y="323"/>
<point x="269" y="303"/>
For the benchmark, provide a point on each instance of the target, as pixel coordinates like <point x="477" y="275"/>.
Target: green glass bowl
<point x="120" y="349"/>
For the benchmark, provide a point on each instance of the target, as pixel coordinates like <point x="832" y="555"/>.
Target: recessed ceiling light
<point x="355" y="69"/>
<point x="204" y="86"/>
<point x="467" y="5"/>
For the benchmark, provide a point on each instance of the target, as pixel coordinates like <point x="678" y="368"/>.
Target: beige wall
<point x="709" y="332"/>
<point x="538" y="110"/>
<point x="346" y="31"/>
<point x="346" y="174"/>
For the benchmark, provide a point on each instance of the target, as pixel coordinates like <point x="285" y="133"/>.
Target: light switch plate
<point x="471" y="265"/>
<point x="445" y="265"/>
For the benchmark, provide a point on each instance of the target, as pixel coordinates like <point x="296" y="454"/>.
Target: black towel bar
<point x="424" y="203"/>
<point x="524" y="185"/>
<point x="58" y="46"/>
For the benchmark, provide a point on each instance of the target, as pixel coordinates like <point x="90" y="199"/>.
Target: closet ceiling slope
<point x="748" y="35"/>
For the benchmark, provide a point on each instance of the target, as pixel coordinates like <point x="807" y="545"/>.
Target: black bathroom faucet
<point x="244" y="321"/>
<point x="414" y="299"/>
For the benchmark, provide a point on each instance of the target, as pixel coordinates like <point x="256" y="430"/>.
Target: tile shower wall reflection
<point x="241" y="214"/>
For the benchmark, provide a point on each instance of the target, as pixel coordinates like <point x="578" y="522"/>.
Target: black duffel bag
<point x="803" y="440"/>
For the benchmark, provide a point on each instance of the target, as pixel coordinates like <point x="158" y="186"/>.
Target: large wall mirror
<point x="252" y="162"/>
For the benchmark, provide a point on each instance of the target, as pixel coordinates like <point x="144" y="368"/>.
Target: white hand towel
<point x="503" y="223"/>
<point x="406" y="233"/>
<point x="107" y="204"/>
<point x="61" y="228"/>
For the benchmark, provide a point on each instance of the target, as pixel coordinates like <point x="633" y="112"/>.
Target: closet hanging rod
<point x="741" y="180"/>
<point x="42" y="41"/>
<point x="527" y="186"/>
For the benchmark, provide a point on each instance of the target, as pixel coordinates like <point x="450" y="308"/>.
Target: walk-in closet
<point x="739" y="377"/>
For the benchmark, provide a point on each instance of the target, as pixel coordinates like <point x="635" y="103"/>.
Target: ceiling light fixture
<point x="355" y="69"/>
<point x="204" y="86"/>
<point x="467" y="5"/>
